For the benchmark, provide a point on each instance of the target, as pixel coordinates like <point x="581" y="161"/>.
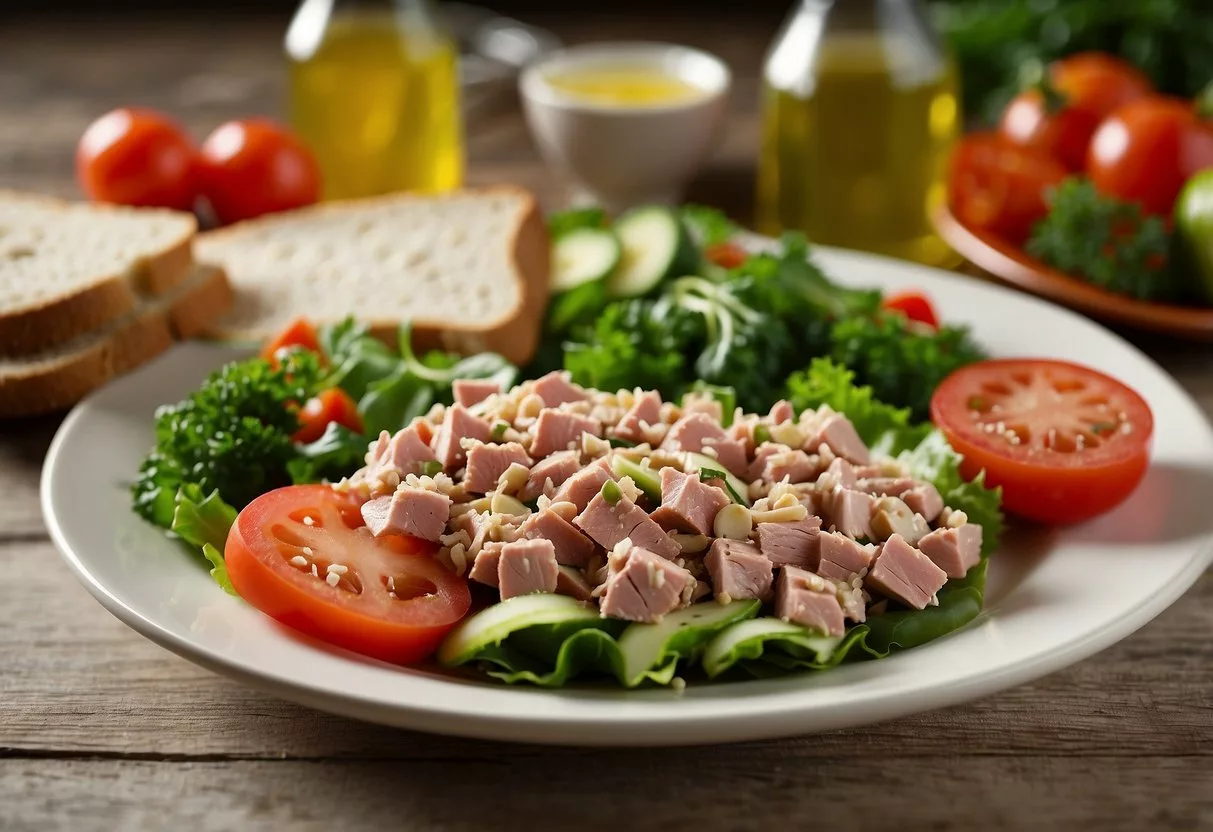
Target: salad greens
<point x="204" y="522"/>
<point x="566" y="647"/>
<point x="748" y="328"/>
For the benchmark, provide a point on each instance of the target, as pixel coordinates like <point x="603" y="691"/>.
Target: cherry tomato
<point x="138" y="157"/>
<point x="1062" y="132"/>
<point x="256" y="167"/>
<point x="1146" y="150"/>
<point x="726" y="255"/>
<point x="999" y="187"/>
<point x="393" y="601"/>
<point x="1065" y="442"/>
<point x="298" y="333"/>
<point x="332" y="405"/>
<point x="914" y="305"/>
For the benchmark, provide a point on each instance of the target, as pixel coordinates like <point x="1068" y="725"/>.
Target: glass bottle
<point x="374" y="90"/>
<point x="860" y="110"/>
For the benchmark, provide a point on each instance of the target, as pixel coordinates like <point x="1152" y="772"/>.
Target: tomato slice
<point x="914" y="305"/>
<point x="392" y="601"/>
<point x="332" y="405"/>
<point x="299" y="333"/>
<point x="726" y="255"/>
<point x="1065" y="442"/>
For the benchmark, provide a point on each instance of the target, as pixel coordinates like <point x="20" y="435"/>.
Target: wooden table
<point x="100" y="729"/>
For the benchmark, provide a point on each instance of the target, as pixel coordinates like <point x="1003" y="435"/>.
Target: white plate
<point x="1054" y="597"/>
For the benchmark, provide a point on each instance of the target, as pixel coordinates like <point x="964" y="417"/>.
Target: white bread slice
<point x="469" y="269"/>
<point x="67" y="268"/>
<point x="57" y="378"/>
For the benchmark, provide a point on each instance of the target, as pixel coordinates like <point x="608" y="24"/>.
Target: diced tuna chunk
<point x="850" y="512"/>
<point x="556" y="430"/>
<point x="792" y="544"/>
<point x="795" y="466"/>
<point x="645" y="411"/>
<point x="761" y="454"/>
<point x="556" y="468"/>
<point x="805" y="599"/>
<point x="686" y="503"/>
<point x="841" y="472"/>
<point x="781" y="412"/>
<point x="413" y="511"/>
<point x="955" y="551"/>
<point x="739" y="571"/>
<point x="526" y="567"/>
<point x="609" y="524"/>
<point x="556" y="389"/>
<point x="887" y="486"/>
<point x="742" y="430"/>
<point x="458" y="425"/>
<point x="470" y="391"/>
<point x="402" y="454"/>
<point x="902" y="572"/>
<point x="839" y="435"/>
<point x="643" y="586"/>
<point x="924" y="499"/>
<point x="703" y="403"/>
<point x="580" y="488"/>
<point x="841" y="557"/>
<point x="484" y="567"/>
<point x="699" y="433"/>
<point x="487" y="462"/>
<point x="572" y="547"/>
<point x="572" y="582"/>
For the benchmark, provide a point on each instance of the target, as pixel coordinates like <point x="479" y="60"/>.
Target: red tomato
<point x="359" y="613"/>
<point x="138" y="157"/>
<point x="256" y="167"/>
<point x="914" y="305"/>
<point x="1098" y="82"/>
<point x="1062" y="133"/>
<point x="726" y="255"/>
<point x="1065" y="442"/>
<point x="1146" y="150"/>
<point x="999" y="187"/>
<point x="298" y="333"/>
<point x="332" y="405"/>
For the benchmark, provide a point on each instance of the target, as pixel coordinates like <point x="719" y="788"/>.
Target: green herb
<point x="204" y="523"/>
<point x="707" y="225"/>
<point x="562" y="222"/>
<point x="724" y="394"/>
<point x="1105" y="241"/>
<point x="499" y="429"/>
<point x="761" y="434"/>
<point x="710" y="474"/>
<point x="335" y="454"/>
<point x="611" y="492"/>
<point x="432" y="468"/>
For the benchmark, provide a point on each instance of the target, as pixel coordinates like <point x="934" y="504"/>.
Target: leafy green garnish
<point x="1105" y="241"/>
<point x="709" y="474"/>
<point x="707" y="225"/>
<point x="562" y="222"/>
<point x="203" y="522"/>
<point x="335" y="454"/>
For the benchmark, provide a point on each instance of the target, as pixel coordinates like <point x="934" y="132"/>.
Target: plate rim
<point x="539" y="728"/>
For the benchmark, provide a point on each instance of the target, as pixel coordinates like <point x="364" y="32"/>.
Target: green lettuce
<point x="202" y="521"/>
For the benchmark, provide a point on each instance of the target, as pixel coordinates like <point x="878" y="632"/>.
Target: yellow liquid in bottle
<point x="379" y="105"/>
<point x="624" y="86"/>
<point x="860" y="161"/>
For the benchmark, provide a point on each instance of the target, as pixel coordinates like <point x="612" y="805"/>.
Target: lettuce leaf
<point x="203" y="522"/>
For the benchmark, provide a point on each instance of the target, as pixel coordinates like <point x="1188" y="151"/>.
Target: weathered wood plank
<point x="728" y="788"/>
<point x="74" y="680"/>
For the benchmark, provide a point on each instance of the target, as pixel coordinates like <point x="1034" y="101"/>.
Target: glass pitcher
<point x="860" y="111"/>
<point x="374" y="90"/>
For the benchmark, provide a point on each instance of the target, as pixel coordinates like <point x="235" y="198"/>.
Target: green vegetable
<point x="611" y="492"/>
<point x="1106" y="242"/>
<point x="656" y="247"/>
<point x="708" y="226"/>
<point x="574" y="219"/>
<point x="652" y="651"/>
<point x="337" y="453"/>
<point x="738" y="489"/>
<point x="709" y="474"/>
<point x="582" y="260"/>
<point x="646" y="479"/>
<point x="203" y="522"/>
<point x="1194" y="230"/>
<point x="495" y="624"/>
<point x="722" y="393"/>
<point x="994" y="39"/>
<point x="750" y="640"/>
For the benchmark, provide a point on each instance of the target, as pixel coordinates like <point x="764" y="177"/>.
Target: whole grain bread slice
<point x="59" y="377"/>
<point x="468" y="269"/>
<point x="67" y="268"/>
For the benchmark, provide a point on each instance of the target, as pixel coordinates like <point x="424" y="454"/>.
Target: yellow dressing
<point x="625" y="86"/>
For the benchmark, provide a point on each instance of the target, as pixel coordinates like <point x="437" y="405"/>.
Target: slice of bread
<point x="469" y="269"/>
<point x="67" y="268"/>
<point x="59" y="377"/>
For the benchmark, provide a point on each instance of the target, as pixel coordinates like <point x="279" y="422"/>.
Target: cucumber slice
<point x="738" y="489"/>
<point x="656" y="246"/>
<point x="745" y="639"/>
<point x="494" y="624"/>
<point x="655" y="648"/>
<point x="646" y="479"/>
<point x="581" y="262"/>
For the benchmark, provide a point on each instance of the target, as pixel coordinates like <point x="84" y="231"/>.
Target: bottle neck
<point x="868" y="15"/>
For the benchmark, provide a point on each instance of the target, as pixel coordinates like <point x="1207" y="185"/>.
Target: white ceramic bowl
<point x="624" y="155"/>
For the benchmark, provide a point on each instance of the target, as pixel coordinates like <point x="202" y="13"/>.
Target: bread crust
<point x="54" y="386"/>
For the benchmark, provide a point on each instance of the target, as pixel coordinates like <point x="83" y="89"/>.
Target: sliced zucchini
<point x="581" y="262"/>
<point x="494" y="624"/>
<point x="646" y="479"/>
<point x="738" y="490"/>
<point x="680" y="635"/>
<point x="746" y="640"/>
<point x="656" y="246"/>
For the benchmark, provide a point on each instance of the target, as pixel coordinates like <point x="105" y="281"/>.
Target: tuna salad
<point x="640" y="507"/>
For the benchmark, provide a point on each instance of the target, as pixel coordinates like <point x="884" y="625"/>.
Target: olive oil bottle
<point x="374" y="91"/>
<point x="860" y="111"/>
